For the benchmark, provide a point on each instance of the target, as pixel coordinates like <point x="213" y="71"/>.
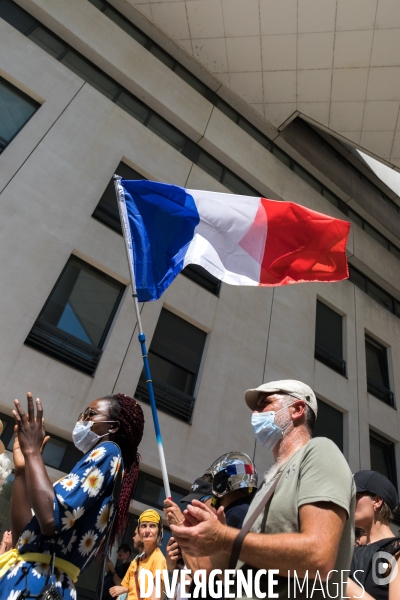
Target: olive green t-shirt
<point x="317" y="472"/>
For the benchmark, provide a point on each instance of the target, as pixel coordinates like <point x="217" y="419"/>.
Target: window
<point x="382" y="456"/>
<point x="377" y="371"/>
<point x="107" y="209"/>
<point x="77" y="316"/>
<point x="329" y="338"/>
<point x="175" y="354"/>
<point x="150" y="490"/>
<point x="16" y="108"/>
<point x="203" y="278"/>
<point x="374" y="291"/>
<point x="329" y="424"/>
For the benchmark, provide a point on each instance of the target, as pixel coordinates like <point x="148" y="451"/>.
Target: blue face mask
<point x="267" y="432"/>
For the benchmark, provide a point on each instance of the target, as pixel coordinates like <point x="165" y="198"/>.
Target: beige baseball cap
<point x="294" y="388"/>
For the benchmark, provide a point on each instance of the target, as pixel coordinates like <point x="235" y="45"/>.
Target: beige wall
<point x="52" y="176"/>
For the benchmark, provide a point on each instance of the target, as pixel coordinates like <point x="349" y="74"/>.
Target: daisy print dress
<point x="81" y="514"/>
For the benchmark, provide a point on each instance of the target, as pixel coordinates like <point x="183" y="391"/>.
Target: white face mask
<point x="82" y="436"/>
<point x="267" y="432"/>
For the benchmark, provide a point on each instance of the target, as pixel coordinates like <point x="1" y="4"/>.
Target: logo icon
<point x="384" y="568"/>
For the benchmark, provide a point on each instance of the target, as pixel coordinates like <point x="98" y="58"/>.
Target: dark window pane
<point x="329" y="338"/>
<point x="15" y="110"/>
<point x="17" y="17"/>
<point x="47" y="41"/>
<point x="162" y="56"/>
<point x="76" y="318"/>
<point x="166" y="131"/>
<point x="358" y="279"/>
<point x="82" y="303"/>
<point x="107" y="209"/>
<point x="125" y="25"/>
<point x="174" y="375"/>
<point x="376" y="359"/>
<point x="187" y="76"/>
<point x="133" y="106"/>
<point x="53" y="452"/>
<point x="329" y="424"/>
<point x="98" y="3"/>
<point x="383" y="456"/>
<point x="394" y="250"/>
<point x="108" y="199"/>
<point x="203" y="278"/>
<point x="210" y="165"/>
<point x="254" y="133"/>
<point x="307" y="177"/>
<point x="175" y="355"/>
<point x="227" y="110"/>
<point x="96" y="78"/>
<point x="355" y="217"/>
<point x="397" y="308"/>
<point x="330" y="197"/>
<point x="379" y="295"/>
<point x="178" y="341"/>
<point x="281" y="156"/>
<point x="376" y="235"/>
<point x="236" y="185"/>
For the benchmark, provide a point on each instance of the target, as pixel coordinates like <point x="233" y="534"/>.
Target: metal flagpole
<point x="142" y="338"/>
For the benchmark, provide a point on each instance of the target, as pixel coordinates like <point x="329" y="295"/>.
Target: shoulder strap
<point x="137" y="579"/>
<point x="237" y="544"/>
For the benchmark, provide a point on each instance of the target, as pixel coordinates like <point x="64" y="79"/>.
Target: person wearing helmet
<point x="234" y="480"/>
<point x="150" y="531"/>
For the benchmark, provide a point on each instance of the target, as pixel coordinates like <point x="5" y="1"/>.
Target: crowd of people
<point x="324" y="532"/>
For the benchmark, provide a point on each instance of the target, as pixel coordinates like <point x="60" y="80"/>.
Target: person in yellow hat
<point x="152" y="559"/>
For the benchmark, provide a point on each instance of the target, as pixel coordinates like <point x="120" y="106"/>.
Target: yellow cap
<point x="150" y="516"/>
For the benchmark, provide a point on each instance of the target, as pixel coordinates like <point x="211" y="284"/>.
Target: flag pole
<point x="141" y="336"/>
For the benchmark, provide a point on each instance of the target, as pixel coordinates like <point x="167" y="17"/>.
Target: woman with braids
<point x="70" y="518"/>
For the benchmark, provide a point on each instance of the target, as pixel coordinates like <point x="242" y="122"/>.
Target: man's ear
<point x="299" y="410"/>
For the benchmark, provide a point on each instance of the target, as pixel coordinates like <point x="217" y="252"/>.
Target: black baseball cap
<point x="199" y="489"/>
<point x="376" y="483"/>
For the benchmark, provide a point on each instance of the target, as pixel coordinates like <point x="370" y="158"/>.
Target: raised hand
<point x="30" y="436"/>
<point x="202" y="534"/>
<point x="173" y="513"/>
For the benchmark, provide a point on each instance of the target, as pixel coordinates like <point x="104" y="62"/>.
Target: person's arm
<point x="117" y="590"/>
<point x="38" y="485"/>
<point x="313" y="548"/>
<point x="20" y="507"/>
<point x="111" y="568"/>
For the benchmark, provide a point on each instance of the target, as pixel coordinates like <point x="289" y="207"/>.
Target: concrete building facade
<point x="81" y="80"/>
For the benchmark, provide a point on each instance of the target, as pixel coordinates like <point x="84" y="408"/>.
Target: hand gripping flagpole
<point x="142" y="338"/>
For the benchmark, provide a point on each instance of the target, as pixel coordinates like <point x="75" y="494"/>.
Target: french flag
<point x="241" y="240"/>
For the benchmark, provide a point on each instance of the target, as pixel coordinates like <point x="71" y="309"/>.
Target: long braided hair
<point x="128" y="412"/>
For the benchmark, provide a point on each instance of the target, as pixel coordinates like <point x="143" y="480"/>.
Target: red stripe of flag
<point x="302" y="245"/>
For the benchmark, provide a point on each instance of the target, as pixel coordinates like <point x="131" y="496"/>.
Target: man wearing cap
<point x="306" y="531"/>
<point x="376" y="501"/>
<point x="152" y="559"/>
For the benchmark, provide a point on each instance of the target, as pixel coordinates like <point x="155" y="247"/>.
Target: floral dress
<point x="81" y="513"/>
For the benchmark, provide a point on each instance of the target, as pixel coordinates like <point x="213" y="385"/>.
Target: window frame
<point x="383" y="393"/>
<point x="169" y="399"/>
<point x="325" y="356"/>
<point x="16" y="90"/>
<point x="43" y="325"/>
